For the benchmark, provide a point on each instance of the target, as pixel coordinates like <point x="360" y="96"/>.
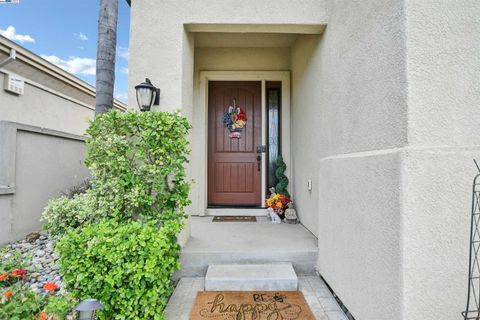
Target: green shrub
<point x="127" y="266"/>
<point x="137" y="164"/>
<point x="10" y="261"/>
<point x="19" y="303"/>
<point x="282" y="184"/>
<point x="119" y="236"/>
<point x="120" y="245"/>
<point x="59" y="307"/>
<point x="64" y="213"/>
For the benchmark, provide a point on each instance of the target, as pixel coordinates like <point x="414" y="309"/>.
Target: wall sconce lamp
<point x="87" y="308"/>
<point x="147" y="95"/>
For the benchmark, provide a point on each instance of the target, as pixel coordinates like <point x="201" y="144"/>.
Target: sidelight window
<point x="273" y="97"/>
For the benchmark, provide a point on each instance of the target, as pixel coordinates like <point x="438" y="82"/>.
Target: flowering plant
<point x="18" y="301"/>
<point x="278" y="202"/>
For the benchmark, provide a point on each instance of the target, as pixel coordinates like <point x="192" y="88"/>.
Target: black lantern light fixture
<point x="87" y="309"/>
<point x="147" y="95"/>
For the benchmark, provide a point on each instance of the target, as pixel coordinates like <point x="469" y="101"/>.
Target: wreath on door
<point x="234" y="119"/>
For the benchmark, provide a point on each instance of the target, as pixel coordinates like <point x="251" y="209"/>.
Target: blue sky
<point x="65" y="33"/>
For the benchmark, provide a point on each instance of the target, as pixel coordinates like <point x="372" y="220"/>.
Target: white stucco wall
<point x="392" y="91"/>
<point x="384" y="122"/>
<point x="443" y="76"/>
<point x="349" y="117"/>
<point x="42" y="108"/>
<point x="306" y="117"/>
<point x="159" y="46"/>
<point x="360" y="229"/>
<point x="45" y="167"/>
<point x="36" y="165"/>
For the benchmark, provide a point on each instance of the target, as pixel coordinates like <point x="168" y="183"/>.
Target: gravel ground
<point x="39" y="255"/>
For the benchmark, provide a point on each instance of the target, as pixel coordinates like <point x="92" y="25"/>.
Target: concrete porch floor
<point x="319" y="298"/>
<point x="247" y="242"/>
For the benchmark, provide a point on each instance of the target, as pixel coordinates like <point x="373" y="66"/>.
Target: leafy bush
<point x="127" y="266"/>
<point x="60" y="307"/>
<point x="137" y="164"/>
<point x="124" y="250"/>
<point x="64" y="213"/>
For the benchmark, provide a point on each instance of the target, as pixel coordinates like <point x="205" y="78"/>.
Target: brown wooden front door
<point x="234" y="173"/>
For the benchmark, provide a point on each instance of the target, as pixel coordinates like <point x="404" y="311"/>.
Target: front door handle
<point x="259" y="162"/>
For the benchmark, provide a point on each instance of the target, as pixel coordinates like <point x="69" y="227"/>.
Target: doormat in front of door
<point x="251" y="305"/>
<point x="234" y="219"/>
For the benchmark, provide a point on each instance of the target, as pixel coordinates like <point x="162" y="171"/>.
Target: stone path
<point x="319" y="298"/>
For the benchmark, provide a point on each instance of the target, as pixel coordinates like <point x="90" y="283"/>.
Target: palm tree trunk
<point x="106" y="46"/>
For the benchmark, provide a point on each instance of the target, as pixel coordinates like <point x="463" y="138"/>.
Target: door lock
<point x="261" y="149"/>
<point x="259" y="162"/>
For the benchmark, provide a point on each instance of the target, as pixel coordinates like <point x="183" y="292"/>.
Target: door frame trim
<point x="263" y="77"/>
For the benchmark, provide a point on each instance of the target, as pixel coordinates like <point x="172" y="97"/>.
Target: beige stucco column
<point x="443" y="74"/>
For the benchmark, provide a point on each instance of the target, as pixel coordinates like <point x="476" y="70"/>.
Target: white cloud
<point x="124" y="70"/>
<point x="80" y="36"/>
<point x="74" y="65"/>
<point x="123" y="52"/>
<point x="122" y="97"/>
<point x="11" y="33"/>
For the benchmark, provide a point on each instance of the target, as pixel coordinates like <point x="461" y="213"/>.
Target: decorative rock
<point x="32" y="237"/>
<point x="38" y="251"/>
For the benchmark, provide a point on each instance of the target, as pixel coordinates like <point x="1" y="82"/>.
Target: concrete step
<point x="195" y="264"/>
<point x="251" y="277"/>
<point x="246" y="243"/>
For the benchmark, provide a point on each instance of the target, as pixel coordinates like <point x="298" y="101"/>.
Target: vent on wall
<point x="14" y="84"/>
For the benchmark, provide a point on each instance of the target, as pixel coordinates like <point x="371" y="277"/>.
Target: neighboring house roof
<point x="32" y="60"/>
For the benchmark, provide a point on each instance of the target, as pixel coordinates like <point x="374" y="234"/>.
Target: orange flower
<point x="43" y="316"/>
<point x="8" y="294"/>
<point x="18" y="272"/>
<point x="49" y="286"/>
<point x="279" y="204"/>
<point x="3" y="276"/>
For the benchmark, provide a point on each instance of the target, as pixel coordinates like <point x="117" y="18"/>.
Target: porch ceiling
<point x="252" y="40"/>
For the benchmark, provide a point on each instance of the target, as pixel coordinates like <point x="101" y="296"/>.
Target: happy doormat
<point x="251" y="305"/>
<point x="234" y="219"/>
